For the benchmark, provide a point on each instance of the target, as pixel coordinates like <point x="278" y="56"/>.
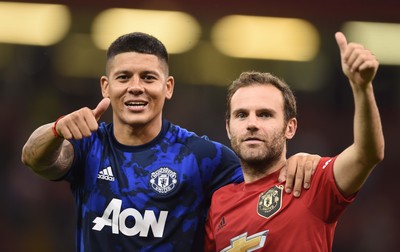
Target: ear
<point x="228" y="132"/>
<point x="170" y="87"/>
<point x="104" y="86"/>
<point x="291" y="128"/>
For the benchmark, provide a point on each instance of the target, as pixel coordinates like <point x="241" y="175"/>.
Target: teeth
<point x="135" y="103"/>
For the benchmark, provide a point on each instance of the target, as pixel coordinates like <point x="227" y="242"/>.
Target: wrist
<point x="54" y="127"/>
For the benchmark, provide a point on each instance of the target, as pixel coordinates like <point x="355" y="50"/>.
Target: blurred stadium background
<point x="52" y="56"/>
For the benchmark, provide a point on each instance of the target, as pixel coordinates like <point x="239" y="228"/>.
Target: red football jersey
<point x="260" y="216"/>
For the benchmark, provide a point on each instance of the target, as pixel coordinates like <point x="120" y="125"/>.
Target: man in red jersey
<point x="261" y="117"/>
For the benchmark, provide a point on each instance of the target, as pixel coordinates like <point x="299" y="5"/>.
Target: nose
<point x="135" y="86"/>
<point x="252" y="123"/>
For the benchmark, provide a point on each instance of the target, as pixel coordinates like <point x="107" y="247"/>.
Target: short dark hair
<point x="137" y="42"/>
<point x="257" y="78"/>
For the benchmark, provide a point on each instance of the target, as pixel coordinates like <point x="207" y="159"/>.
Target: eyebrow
<point x="141" y="72"/>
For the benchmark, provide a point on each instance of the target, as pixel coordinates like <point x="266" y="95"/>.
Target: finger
<point x="341" y="41"/>
<point x="282" y="175"/>
<point x="70" y="130"/>
<point x="90" y="120"/>
<point x="63" y="131"/>
<point x="85" y="121"/>
<point x="366" y="60"/>
<point x="308" y="169"/>
<point x="94" y="115"/>
<point x="290" y="171"/>
<point x="75" y="131"/>
<point x="62" y="128"/>
<point x="356" y="66"/>
<point x="368" y="71"/>
<point x="293" y="166"/>
<point x="101" y="108"/>
<point x="315" y="163"/>
<point x="356" y="56"/>
<point x="75" y="125"/>
<point x="298" y="183"/>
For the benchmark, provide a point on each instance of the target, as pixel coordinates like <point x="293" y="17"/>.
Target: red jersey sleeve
<point x="324" y="198"/>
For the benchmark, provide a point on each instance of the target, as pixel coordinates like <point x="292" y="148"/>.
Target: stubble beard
<point x="259" y="160"/>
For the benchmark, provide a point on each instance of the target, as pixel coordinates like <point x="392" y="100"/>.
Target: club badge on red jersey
<point x="270" y="201"/>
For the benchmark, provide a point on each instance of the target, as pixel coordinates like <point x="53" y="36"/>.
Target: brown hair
<point x="257" y="78"/>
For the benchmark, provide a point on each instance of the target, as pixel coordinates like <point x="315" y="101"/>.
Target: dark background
<point x="38" y="215"/>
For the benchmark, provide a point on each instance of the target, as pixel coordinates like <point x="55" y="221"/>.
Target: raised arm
<point x="48" y="152"/>
<point x="353" y="166"/>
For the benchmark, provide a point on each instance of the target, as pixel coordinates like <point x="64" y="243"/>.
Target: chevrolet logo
<point x="242" y="243"/>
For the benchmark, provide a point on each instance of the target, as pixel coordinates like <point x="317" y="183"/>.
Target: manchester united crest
<point x="163" y="180"/>
<point x="270" y="201"/>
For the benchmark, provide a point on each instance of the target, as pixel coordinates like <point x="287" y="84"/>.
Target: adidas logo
<point x="222" y="223"/>
<point x="106" y="174"/>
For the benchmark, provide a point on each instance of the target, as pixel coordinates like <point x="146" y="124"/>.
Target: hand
<point x="83" y="122"/>
<point x="298" y="172"/>
<point x="358" y="63"/>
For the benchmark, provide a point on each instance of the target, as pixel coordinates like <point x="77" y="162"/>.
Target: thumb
<point x="101" y="108"/>
<point x="341" y="41"/>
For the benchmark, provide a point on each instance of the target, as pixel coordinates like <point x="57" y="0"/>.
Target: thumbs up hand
<point x="358" y="63"/>
<point x="81" y="123"/>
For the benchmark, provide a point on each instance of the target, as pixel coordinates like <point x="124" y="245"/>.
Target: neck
<point x="134" y="135"/>
<point x="253" y="172"/>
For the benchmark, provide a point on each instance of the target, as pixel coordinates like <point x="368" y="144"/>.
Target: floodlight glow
<point x="266" y="38"/>
<point x="33" y="24"/>
<point x="383" y="39"/>
<point x="178" y="31"/>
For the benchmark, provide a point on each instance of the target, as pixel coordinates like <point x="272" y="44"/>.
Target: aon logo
<point x="114" y="218"/>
